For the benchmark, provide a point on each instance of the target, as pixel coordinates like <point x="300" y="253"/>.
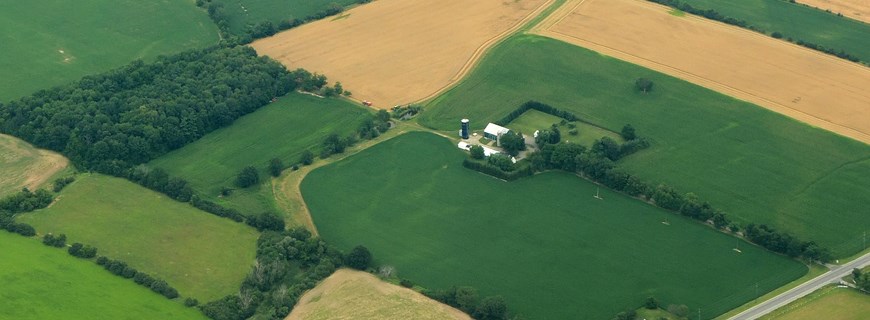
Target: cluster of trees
<point x="288" y="264"/>
<point x="82" y="251"/>
<point x="405" y="112"/>
<point x="862" y="280"/>
<point x="216" y="209"/>
<point x="7" y="222"/>
<point x="159" y="180"/>
<point x="265" y="221"/>
<point x="468" y="300"/>
<point x="496" y="170"/>
<point x="57" y="241"/>
<point x="128" y="116"/>
<point x="61" y="183"/>
<point x="715" y="15"/>
<point x="26" y="201"/>
<point x="371" y="128"/>
<point x="512" y="142"/>
<point x="247" y="177"/>
<point x="785" y="243"/>
<point x="536" y="106"/>
<point x="218" y="15"/>
<point x="121" y="269"/>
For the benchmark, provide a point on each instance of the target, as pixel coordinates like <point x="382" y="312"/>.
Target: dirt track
<point x="855" y="9"/>
<point x="809" y="86"/>
<point x="395" y="51"/>
<point x="349" y="294"/>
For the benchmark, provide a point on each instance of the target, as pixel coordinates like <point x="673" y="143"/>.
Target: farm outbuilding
<point x="494" y="131"/>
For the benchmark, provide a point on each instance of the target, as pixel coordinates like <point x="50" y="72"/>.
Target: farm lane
<point x="808" y="287"/>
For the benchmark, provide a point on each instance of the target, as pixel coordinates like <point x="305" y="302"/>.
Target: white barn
<point x="494" y="131"/>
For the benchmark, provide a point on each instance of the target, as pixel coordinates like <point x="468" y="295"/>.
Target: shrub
<point x="306" y="158"/>
<point x="247" y="177"/>
<point x="359" y="258"/>
<point x="58" y="241"/>
<point x="477" y="152"/>
<point x="275" y="167"/>
<point x="406" y="283"/>
<point x="191" y="302"/>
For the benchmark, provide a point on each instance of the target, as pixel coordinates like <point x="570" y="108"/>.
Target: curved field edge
<point x="351" y="294"/>
<point x="24" y="166"/>
<point x="41" y="282"/>
<point x="410" y="201"/>
<point x="756" y="164"/>
<point x="53" y="42"/>
<point x="201" y="255"/>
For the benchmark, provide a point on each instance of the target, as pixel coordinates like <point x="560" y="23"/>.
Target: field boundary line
<point x="481" y="51"/>
<point x="785" y="110"/>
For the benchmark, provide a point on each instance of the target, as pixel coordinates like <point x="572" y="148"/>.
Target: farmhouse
<point x="494" y="131"/>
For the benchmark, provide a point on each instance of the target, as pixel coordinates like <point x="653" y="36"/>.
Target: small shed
<point x="494" y="131"/>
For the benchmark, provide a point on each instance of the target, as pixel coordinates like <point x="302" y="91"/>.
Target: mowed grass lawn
<point x="41" y="282"/>
<point x="52" y="42"/>
<point x="756" y="165"/>
<point x="244" y="13"/>
<point x="829" y="302"/>
<point x="798" y="22"/>
<point x="201" y="255"/>
<point x="533" y="120"/>
<point x="544" y="243"/>
<point x="282" y="129"/>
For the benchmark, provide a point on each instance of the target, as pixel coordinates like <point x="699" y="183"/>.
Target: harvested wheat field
<point x="349" y="294"/>
<point x="855" y="9"/>
<point x="22" y="165"/>
<point x="394" y="52"/>
<point x="809" y="86"/>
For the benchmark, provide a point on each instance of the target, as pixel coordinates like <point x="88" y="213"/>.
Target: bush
<point x="477" y="152"/>
<point x="60" y="183"/>
<point x="643" y="85"/>
<point x="275" y="167"/>
<point x="406" y="283"/>
<point x="58" y="241"/>
<point x="82" y="251"/>
<point x="247" y="177"/>
<point x="191" y="302"/>
<point x="359" y="258"/>
<point x="306" y="158"/>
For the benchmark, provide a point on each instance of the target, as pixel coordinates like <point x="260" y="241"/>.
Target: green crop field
<point x="53" y="42"/>
<point x="544" y="243"/>
<point x="798" y="22"/>
<point x="829" y="302"/>
<point x="533" y="120"/>
<point x="282" y="129"/>
<point x="756" y="165"/>
<point x="201" y="255"/>
<point x="40" y="282"/>
<point x="242" y="14"/>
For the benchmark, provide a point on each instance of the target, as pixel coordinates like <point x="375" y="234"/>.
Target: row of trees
<point x="121" y="269"/>
<point x="288" y="264"/>
<point x="26" y="201"/>
<point x="221" y="18"/>
<point x="596" y="164"/>
<point x="534" y="105"/>
<point x="128" y="116"/>
<point x="496" y="166"/>
<point x="715" y="15"/>
<point x="468" y="300"/>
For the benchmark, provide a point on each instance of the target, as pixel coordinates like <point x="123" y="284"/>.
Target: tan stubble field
<point x="809" y="86"/>
<point x="394" y="52"/>
<point x="22" y="165"/>
<point x="855" y="9"/>
<point x="349" y="294"/>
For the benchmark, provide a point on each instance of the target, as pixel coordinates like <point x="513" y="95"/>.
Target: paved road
<point x="806" y="288"/>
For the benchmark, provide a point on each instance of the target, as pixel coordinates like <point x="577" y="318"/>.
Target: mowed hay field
<point x="395" y="52"/>
<point x="351" y="294"/>
<point x="22" y="165"/>
<point x="282" y="129"/>
<point x="536" y="241"/>
<point x="52" y="42"/>
<point x="829" y="302"/>
<point x="41" y="282"/>
<point x="199" y="254"/>
<point x="242" y="14"/>
<point x="807" y="85"/>
<point x="855" y="9"/>
<point x="756" y="165"/>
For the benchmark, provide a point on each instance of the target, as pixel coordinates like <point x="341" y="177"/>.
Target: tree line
<point x="288" y="264"/>
<point x="469" y="301"/>
<point x="219" y="16"/>
<point x="715" y="15"/>
<point x="128" y="116"/>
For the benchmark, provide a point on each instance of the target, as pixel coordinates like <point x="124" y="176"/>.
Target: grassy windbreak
<point x="544" y="243"/>
<point x="756" y="165"/>
<point x="244" y="13"/>
<point x="53" y="42"/>
<point x="283" y="129"/>
<point x="798" y="22"/>
<point x="199" y="254"/>
<point x="41" y="282"/>
<point x="829" y="302"/>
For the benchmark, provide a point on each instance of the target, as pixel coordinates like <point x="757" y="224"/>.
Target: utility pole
<point x="699" y="313"/>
